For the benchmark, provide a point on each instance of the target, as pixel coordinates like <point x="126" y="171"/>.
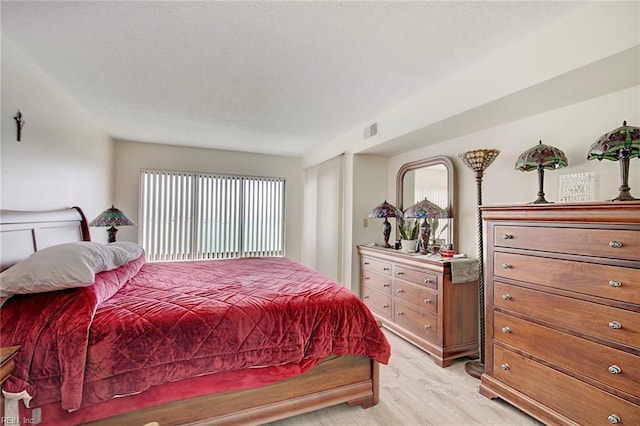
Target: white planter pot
<point x="409" y="245"/>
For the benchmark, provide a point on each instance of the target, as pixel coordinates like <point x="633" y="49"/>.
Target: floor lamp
<point x="478" y="160"/>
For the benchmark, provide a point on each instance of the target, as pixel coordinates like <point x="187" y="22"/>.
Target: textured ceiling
<point x="270" y="77"/>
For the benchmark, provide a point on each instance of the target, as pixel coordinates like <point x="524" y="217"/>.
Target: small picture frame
<point x="578" y="187"/>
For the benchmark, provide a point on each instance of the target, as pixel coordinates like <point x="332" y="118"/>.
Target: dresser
<point x="563" y="311"/>
<point x="414" y="297"/>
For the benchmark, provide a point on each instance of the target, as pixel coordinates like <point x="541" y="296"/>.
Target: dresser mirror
<point x="433" y="178"/>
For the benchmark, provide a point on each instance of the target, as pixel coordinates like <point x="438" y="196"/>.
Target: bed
<point x="231" y="341"/>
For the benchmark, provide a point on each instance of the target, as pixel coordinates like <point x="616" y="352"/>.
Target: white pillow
<point x="65" y="266"/>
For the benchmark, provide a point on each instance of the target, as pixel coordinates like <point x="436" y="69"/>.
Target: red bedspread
<point x="171" y="321"/>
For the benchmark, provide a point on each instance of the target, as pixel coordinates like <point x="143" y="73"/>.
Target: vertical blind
<point x="187" y="216"/>
<point x="437" y="195"/>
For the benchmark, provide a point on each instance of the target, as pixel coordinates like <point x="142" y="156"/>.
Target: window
<point x="435" y="194"/>
<point x="187" y="215"/>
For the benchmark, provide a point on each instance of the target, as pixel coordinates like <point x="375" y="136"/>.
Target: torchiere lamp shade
<point x="386" y="210"/>
<point x="620" y="144"/>
<point x="479" y="159"/>
<point x="112" y="217"/>
<point x="539" y="158"/>
<point x="424" y="210"/>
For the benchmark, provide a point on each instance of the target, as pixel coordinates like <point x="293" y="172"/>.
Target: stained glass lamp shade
<point x="112" y="217"/>
<point x="539" y="158"/>
<point x="620" y="144"/>
<point x="425" y="209"/>
<point x="385" y="210"/>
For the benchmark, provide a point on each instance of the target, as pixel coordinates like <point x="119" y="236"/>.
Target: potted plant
<point x="409" y="234"/>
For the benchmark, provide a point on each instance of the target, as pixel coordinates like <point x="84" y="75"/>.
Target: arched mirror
<point x="432" y="178"/>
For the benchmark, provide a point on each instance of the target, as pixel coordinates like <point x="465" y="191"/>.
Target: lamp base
<point x="541" y="201"/>
<point x="112" y="231"/>
<point x="623" y="190"/>
<point x="474" y="368"/>
<point x="386" y="233"/>
<point x="624" y="196"/>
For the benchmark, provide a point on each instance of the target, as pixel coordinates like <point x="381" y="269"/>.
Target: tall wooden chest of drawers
<point x="415" y="298"/>
<point x="563" y="311"/>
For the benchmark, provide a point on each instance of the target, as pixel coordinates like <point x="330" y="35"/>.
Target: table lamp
<point x="385" y="210"/>
<point x="620" y="144"/>
<point x="424" y="210"/>
<point x="539" y="158"/>
<point x="112" y="217"/>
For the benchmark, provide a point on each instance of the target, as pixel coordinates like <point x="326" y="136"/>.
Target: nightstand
<point x="6" y="367"/>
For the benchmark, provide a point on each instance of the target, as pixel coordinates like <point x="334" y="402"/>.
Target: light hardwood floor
<point x="415" y="391"/>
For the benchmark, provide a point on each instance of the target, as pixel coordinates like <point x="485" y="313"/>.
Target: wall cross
<point x="20" y="123"/>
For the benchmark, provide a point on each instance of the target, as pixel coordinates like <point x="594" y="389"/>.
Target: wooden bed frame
<point x="336" y="380"/>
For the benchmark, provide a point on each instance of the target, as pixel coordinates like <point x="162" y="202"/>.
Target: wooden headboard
<point x="24" y="232"/>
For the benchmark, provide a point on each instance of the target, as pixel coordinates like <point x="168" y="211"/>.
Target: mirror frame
<point x="451" y="188"/>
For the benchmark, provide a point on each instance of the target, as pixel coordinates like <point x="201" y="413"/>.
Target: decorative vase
<point x="409" y="245"/>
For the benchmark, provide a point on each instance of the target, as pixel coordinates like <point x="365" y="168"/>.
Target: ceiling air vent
<point x="371" y="131"/>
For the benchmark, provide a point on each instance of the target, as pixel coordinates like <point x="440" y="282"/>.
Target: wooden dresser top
<point x="603" y="212"/>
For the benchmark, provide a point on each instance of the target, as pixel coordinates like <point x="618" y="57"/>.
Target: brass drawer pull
<point x="427" y="281"/>
<point x="366" y="263"/>
<point x="400" y="313"/>
<point x="614" y="419"/>
<point x="386" y="285"/>
<point x="427" y="301"/>
<point x="615" y="244"/>
<point x="507" y="236"/>
<point x="615" y="283"/>
<point x="386" y="269"/>
<point x="400" y="273"/>
<point x="385" y="306"/>
<point x="367" y="278"/>
<point x="614" y="369"/>
<point x="366" y="297"/>
<point x="399" y="291"/>
<point x="427" y="327"/>
<point x="506" y="297"/>
<point x="506" y="266"/>
<point x="615" y="325"/>
<point x="506" y="330"/>
<point x="505" y="366"/>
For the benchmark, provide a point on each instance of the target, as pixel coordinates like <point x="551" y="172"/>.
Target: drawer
<point x="609" y="243"/>
<point x="616" y="368"/>
<point x="376" y="281"/>
<point x="619" y="325"/>
<point x="417" y="277"/>
<point x="584" y="404"/>
<point x="419" y="322"/>
<point x="612" y="282"/>
<point x="378" y="266"/>
<point x="377" y="302"/>
<point x="419" y="295"/>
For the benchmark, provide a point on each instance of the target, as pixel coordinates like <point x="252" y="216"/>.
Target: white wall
<point x="130" y="157"/>
<point x="65" y="156"/>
